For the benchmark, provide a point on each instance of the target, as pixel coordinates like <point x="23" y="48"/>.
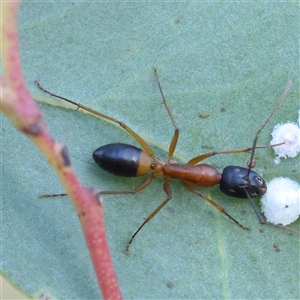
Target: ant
<point x="129" y="161"/>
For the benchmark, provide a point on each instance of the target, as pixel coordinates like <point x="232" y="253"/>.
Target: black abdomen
<point x="118" y="159"/>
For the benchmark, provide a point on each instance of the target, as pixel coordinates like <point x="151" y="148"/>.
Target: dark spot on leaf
<point x="171" y="209"/>
<point x="204" y="116"/>
<point x="207" y="147"/>
<point x="276" y="247"/>
<point x="43" y="296"/>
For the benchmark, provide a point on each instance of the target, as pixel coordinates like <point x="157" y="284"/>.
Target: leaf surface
<point x="225" y="61"/>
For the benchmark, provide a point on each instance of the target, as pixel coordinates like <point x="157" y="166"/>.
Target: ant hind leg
<point x="168" y="191"/>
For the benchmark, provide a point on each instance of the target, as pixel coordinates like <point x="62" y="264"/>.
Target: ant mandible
<point x="129" y="161"/>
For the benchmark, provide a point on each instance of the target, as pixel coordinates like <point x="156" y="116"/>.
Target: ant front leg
<point x="241" y="182"/>
<point x="254" y="147"/>
<point x="201" y="157"/>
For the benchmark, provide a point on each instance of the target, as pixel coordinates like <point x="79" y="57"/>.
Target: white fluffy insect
<point x="281" y="203"/>
<point x="290" y="134"/>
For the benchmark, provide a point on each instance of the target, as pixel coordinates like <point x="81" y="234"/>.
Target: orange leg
<point x="140" y="187"/>
<point x="201" y="157"/>
<point x="204" y="156"/>
<point x="220" y="208"/>
<point x="168" y="191"/>
<point x="138" y="138"/>
<point x="176" y="133"/>
<point x="144" y="184"/>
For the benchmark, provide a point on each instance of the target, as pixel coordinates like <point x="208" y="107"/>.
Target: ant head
<point x="238" y="181"/>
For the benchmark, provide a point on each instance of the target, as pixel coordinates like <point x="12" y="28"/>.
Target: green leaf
<point x="226" y="60"/>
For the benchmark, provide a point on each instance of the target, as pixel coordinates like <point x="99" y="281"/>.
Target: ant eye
<point x="259" y="180"/>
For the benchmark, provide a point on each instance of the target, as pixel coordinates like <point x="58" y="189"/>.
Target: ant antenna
<point x="260" y="217"/>
<point x="284" y="94"/>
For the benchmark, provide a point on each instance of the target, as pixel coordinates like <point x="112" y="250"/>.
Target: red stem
<point x="24" y="113"/>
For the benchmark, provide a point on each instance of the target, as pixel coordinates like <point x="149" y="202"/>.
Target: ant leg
<point x="138" y="138"/>
<point x="51" y="195"/>
<point x="143" y="185"/>
<point x="176" y="133"/>
<point x="220" y="208"/>
<point x="168" y="191"/>
<point x="199" y="158"/>
<point x="252" y="149"/>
